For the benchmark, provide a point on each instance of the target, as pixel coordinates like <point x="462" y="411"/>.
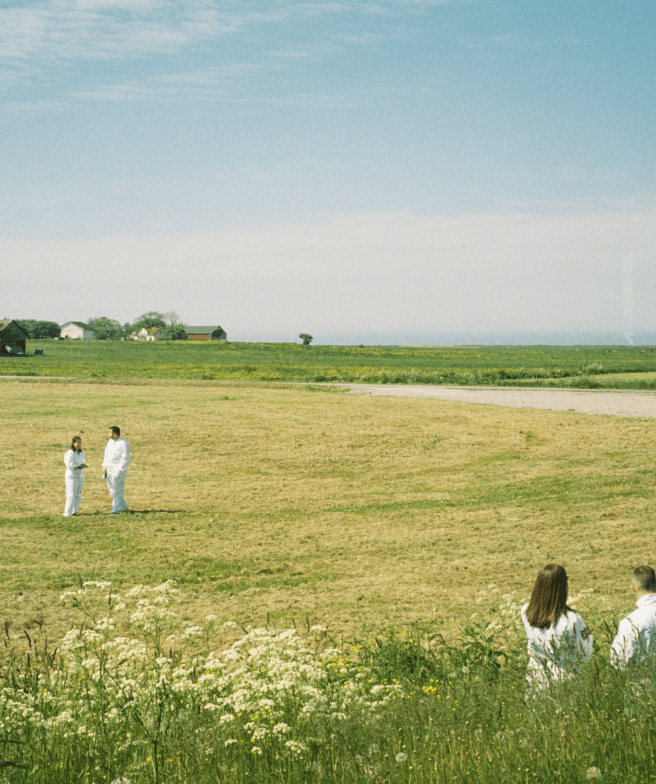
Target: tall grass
<point x="132" y="694"/>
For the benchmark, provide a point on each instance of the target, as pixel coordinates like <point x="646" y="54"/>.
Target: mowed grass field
<point x="303" y="504"/>
<point x="632" y="367"/>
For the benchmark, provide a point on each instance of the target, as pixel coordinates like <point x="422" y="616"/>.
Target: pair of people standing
<point x="559" y="642"/>
<point x="115" y="468"/>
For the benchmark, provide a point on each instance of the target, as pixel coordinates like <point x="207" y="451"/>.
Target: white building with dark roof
<point x="76" y="330"/>
<point x="154" y="333"/>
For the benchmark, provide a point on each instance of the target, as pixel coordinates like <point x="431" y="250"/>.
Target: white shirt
<point x="557" y="652"/>
<point x="636" y="636"/>
<point x="117" y="456"/>
<point x="71" y="460"/>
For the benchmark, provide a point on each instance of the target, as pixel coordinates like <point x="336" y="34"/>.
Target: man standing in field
<point x="115" y="468"/>
<point x="636" y="636"/>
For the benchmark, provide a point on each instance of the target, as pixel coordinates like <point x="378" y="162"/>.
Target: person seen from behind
<point x="559" y="642"/>
<point x="115" y="468"/>
<point x="74" y="476"/>
<point x="636" y="636"/>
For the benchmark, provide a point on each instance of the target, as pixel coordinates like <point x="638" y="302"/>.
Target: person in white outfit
<point x="559" y="642"/>
<point x="636" y="636"/>
<point x="74" y="476"/>
<point x="115" y="468"/>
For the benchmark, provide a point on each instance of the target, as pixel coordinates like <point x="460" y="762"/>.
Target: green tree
<point x="105" y="328"/>
<point x="219" y="334"/>
<point x="40" y="330"/>
<point x="47" y="329"/>
<point x="149" y="320"/>
<point x="307" y="339"/>
<point x="175" y="332"/>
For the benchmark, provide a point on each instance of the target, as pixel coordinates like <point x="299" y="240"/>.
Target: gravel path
<point x="586" y="401"/>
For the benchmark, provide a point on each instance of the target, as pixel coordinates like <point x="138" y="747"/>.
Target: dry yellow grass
<point x="301" y="503"/>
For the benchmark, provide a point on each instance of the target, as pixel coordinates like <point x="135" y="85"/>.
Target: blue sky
<point x="341" y="168"/>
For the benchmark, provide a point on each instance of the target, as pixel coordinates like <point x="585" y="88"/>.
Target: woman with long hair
<point x="559" y="642"/>
<point x="75" y="465"/>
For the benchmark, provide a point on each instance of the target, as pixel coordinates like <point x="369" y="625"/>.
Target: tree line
<point x="110" y="329"/>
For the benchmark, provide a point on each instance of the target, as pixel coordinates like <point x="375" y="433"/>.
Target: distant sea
<point x="461" y="338"/>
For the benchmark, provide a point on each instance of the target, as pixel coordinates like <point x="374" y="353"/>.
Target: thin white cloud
<point x="64" y="30"/>
<point x="203" y="83"/>
<point x="57" y="30"/>
<point x="42" y="42"/>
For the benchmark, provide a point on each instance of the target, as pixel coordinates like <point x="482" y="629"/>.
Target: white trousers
<point x="115" y="483"/>
<point x="73" y="493"/>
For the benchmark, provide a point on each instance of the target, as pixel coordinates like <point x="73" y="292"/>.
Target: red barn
<point x="206" y="333"/>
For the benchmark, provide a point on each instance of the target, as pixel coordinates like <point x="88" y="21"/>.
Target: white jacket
<point x="117" y="456"/>
<point x="557" y="652"/>
<point x="636" y="636"/>
<point x="71" y="460"/>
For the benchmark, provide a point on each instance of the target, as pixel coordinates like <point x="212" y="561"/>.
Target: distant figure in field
<point x="636" y="636"/>
<point x="74" y="476"/>
<point x="558" y="639"/>
<point x="115" y="468"/>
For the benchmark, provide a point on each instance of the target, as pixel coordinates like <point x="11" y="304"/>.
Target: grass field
<point x="295" y="503"/>
<point x="578" y="366"/>
<point x="305" y="506"/>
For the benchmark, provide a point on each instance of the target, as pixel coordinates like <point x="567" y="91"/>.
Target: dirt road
<point x="586" y="401"/>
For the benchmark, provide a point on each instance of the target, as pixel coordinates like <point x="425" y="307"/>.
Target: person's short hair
<point x="115" y="429"/>
<point x="549" y="597"/>
<point x="644" y="578"/>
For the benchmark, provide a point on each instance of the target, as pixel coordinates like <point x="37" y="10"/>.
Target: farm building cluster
<point x="13" y="336"/>
<point x="193" y="333"/>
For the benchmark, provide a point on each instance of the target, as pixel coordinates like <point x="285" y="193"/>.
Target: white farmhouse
<point x="76" y="330"/>
<point x="154" y="333"/>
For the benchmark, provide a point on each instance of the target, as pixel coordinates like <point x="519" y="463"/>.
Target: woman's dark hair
<point x="549" y="597"/>
<point x="74" y="440"/>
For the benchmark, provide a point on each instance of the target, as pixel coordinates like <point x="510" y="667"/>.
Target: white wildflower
<point x="256" y="750"/>
<point x="261" y="733"/>
<point x="401" y="757"/>
<point x="295" y="747"/>
<point x="592" y="774"/>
